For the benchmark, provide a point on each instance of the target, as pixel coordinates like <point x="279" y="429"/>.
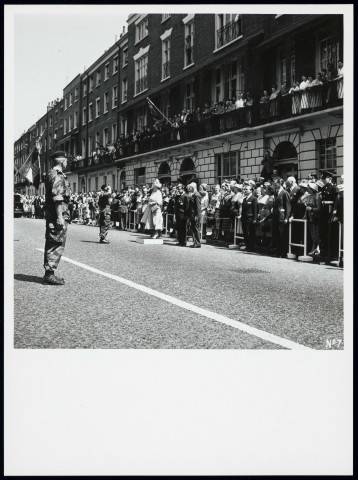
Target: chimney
<point x="124" y="29"/>
<point x="116" y="38"/>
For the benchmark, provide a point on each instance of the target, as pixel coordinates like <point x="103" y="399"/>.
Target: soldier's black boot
<point x="51" y="279"/>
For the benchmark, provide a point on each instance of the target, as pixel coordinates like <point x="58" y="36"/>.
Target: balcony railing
<point x="214" y="122"/>
<point x="141" y="84"/>
<point x="228" y="33"/>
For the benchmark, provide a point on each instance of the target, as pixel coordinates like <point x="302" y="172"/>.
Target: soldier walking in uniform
<point x="57" y="216"/>
<point x="104" y="205"/>
<point x="328" y="194"/>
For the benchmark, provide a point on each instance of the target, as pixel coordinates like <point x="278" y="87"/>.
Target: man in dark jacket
<point x="249" y="217"/>
<point x="267" y="166"/>
<point x="194" y="214"/>
<point x="281" y="215"/>
<point x="328" y="194"/>
<point x="181" y="210"/>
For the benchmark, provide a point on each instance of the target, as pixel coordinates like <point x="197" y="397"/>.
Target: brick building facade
<point x="182" y="62"/>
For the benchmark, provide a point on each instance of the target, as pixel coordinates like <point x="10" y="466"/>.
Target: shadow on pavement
<point x="90" y="241"/>
<point x="28" y="278"/>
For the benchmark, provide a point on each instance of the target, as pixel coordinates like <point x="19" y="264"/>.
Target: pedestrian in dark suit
<point x="249" y="212"/>
<point x="181" y="210"/>
<point x="281" y="215"/>
<point x="194" y="214"/>
<point x="328" y="194"/>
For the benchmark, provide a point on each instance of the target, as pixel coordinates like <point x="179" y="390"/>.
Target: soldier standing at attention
<point x="104" y="204"/>
<point x="57" y="216"/>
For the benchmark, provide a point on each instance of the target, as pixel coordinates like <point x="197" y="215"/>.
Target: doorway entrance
<point x="286" y="160"/>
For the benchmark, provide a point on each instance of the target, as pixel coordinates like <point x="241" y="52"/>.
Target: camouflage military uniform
<point x="57" y="190"/>
<point x="104" y="215"/>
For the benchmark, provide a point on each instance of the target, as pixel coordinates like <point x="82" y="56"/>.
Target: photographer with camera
<point x="104" y="203"/>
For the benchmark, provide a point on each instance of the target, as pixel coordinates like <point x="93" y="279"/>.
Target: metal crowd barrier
<point x="340" y="243"/>
<point x="304" y="257"/>
<point x="131" y="219"/>
<point x="238" y="232"/>
<point x="166" y="222"/>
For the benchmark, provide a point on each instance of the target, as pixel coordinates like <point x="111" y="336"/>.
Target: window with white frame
<point x="98" y="78"/>
<point x="84" y="116"/>
<point x="329" y="51"/>
<point x="189" y="44"/>
<point x="90" y="112"/>
<point x="228" y="28"/>
<point x="90" y="146"/>
<point x="50" y="121"/>
<point x="115" y="64"/>
<point x="97" y="140"/>
<point x="71" y="98"/>
<point x="125" y="57"/>
<point x="105" y="102"/>
<point x="70" y="122"/>
<point x="165" y="16"/>
<point x="91" y="84"/>
<point x="166" y="58"/>
<point x="124" y="90"/>
<point x="76" y="94"/>
<point x="293" y="68"/>
<point x="141" y="118"/>
<point x="106" y="71"/>
<point x="65" y="126"/>
<point x="114" y="132"/>
<point x="114" y="96"/>
<point x="327" y="154"/>
<point x="141" y="72"/>
<point x="283" y="70"/>
<point x="141" y="30"/>
<point x="98" y="107"/>
<point x="75" y="123"/>
<point x="105" y="137"/>
<point x="228" y="166"/>
<point x="85" y="88"/>
<point x="66" y="103"/>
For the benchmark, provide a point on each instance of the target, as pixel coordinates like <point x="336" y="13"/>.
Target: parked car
<point x="18" y="206"/>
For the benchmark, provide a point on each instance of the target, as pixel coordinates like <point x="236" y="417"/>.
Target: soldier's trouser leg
<point x="104" y="223"/>
<point x="54" y="246"/>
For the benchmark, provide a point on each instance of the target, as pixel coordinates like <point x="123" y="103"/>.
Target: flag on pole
<point x="156" y="113"/>
<point x="33" y="169"/>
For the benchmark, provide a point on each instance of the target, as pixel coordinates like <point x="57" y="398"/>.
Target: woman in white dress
<point x="304" y="96"/>
<point x="153" y="218"/>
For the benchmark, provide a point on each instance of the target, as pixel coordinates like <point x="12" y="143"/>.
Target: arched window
<point x="122" y="180"/>
<point x="164" y="174"/>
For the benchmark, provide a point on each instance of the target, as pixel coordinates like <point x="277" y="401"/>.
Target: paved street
<point x="128" y="295"/>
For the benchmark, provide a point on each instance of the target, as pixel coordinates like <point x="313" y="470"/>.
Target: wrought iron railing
<point x="228" y="33"/>
<point x="141" y="84"/>
<point x="166" y="69"/>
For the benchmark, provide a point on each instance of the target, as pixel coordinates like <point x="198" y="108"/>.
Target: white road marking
<point x="283" y="342"/>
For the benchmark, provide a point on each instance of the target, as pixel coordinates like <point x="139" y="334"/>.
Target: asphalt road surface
<point x="129" y="295"/>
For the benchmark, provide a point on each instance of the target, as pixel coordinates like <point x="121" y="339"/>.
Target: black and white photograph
<point x="139" y="138"/>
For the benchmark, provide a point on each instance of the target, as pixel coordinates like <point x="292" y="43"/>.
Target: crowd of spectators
<point x="306" y="96"/>
<point x="264" y="205"/>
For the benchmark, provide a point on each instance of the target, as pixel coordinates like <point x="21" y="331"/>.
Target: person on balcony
<point x="316" y="92"/>
<point x="249" y="103"/>
<point x="296" y="100"/>
<point x="285" y="100"/>
<point x="274" y="103"/>
<point x="265" y="107"/>
<point x="304" y="96"/>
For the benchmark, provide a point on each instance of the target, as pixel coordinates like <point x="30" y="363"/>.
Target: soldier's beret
<point x="59" y="154"/>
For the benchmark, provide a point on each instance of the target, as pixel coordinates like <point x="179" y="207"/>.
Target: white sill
<point x="123" y="66"/>
<point x="104" y="113"/>
<point x="279" y="15"/>
<point x="97" y="116"/>
<point x="124" y="101"/>
<point x="114" y="107"/>
<point x="114" y="73"/>
<point x="140" y="93"/>
<point x="188" y="66"/>
<point x="167" y="78"/>
<point x="229" y="43"/>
